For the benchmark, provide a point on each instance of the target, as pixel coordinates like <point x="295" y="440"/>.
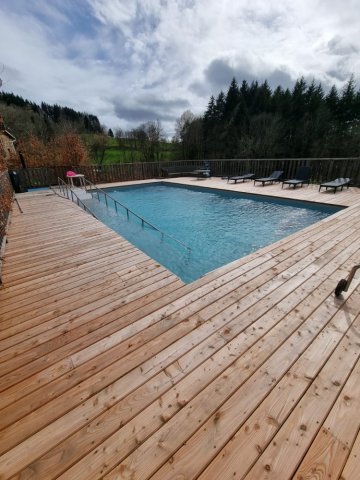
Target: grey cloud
<point x="157" y="102"/>
<point x="8" y="73"/>
<point x="270" y="20"/>
<point x="147" y="109"/>
<point x="340" y="46"/>
<point x="219" y="74"/>
<point x="279" y="77"/>
<point x="338" y="75"/>
<point x="200" y="88"/>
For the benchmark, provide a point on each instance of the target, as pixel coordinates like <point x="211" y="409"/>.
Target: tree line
<point x="252" y="121"/>
<point x="47" y="134"/>
<point x="51" y="134"/>
<point x="44" y="120"/>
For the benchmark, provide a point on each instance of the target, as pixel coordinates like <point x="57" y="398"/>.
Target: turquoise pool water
<point x="218" y="226"/>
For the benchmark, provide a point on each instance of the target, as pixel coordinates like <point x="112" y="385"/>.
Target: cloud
<point x="147" y="107"/>
<point x="340" y="46"/>
<point x="219" y="74"/>
<point x="128" y="61"/>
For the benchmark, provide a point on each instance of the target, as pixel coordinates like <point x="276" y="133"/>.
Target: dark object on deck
<point x="274" y="177"/>
<point x="184" y="171"/>
<point x="337" y="183"/>
<point x="343" y="285"/>
<point x="246" y="176"/>
<point x="302" y="176"/>
<point x="15" y="181"/>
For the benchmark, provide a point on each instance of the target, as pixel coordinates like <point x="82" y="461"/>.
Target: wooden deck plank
<point x="252" y="273"/>
<point x="46" y="295"/>
<point x="330" y="449"/>
<point x="123" y="370"/>
<point x="113" y="286"/>
<point x="222" y="396"/>
<point x="203" y="317"/>
<point x="352" y="467"/>
<point x="247" y="444"/>
<point x="282" y="456"/>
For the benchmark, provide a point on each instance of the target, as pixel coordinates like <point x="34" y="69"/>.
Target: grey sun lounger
<point x="302" y="176"/>
<point x="246" y="176"/>
<point x="274" y="177"/>
<point x="335" y="184"/>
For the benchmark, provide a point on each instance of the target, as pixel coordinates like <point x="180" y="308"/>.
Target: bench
<point x="184" y="171"/>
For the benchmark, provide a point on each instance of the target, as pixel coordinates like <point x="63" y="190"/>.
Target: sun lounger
<point x="274" y="177"/>
<point x="246" y="176"/>
<point x="335" y="184"/>
<point x="302" y="176"/>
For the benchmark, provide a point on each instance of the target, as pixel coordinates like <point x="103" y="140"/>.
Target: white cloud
<point x="107" y="56"/>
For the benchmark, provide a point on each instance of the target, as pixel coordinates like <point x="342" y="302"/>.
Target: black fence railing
<point x="323" y="169"/>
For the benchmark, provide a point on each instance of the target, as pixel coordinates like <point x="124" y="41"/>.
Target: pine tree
<point x="231" y="100"/>
<point x="210" y="111"/>
<point x="220" y="106"/>
<point x="347" y="102"/>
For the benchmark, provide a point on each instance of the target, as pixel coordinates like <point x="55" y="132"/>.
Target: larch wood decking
<point x="112" y="368"/>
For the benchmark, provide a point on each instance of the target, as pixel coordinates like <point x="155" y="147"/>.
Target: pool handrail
<point x="64" y="187"/>
<point x="92" y="186"/>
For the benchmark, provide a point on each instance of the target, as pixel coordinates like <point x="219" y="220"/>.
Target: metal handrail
<point x="65" y="189"/>
<point x="128" y="210"/>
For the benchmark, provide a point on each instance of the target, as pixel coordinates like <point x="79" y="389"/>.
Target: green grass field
<point x="126" y="153"/>
<point x="115" y="155"/>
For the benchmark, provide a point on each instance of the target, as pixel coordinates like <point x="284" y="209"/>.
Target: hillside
<point x="24" y="118"/>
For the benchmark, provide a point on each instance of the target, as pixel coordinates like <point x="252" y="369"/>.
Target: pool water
<point x="218" y="226"/>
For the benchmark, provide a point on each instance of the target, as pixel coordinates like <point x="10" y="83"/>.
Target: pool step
<point x="81" y="193"/>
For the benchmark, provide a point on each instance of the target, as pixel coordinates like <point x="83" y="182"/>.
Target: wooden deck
<point x="112" y="368"/>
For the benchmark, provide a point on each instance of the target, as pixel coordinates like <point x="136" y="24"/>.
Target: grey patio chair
<point x="335" y="184"/>
<point x="274" y="177"/>
<point x="302" y="176"/>
<point x="246" y="176"/>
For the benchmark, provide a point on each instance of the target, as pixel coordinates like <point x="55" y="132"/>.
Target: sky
<point x="129" y="62"/>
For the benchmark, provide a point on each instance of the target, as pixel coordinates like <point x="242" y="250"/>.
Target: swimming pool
<point x="219" y="226"/>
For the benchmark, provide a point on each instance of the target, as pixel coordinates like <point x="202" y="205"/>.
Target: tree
<point x="231" y="100"/>
<point x="210" y="111"/>
<point x="220" y="106"/>
<point x="71" y="150"/>
<point x="347" y="102"/>
<point x="37" y="152"/>
<point x="119" y="135"/>
<point x="110" y="133"/>
<point x="332" y="101"/>
<point x="189" y="133"/>
<point x="149" y="136"/>
<point x="98" y="146"/>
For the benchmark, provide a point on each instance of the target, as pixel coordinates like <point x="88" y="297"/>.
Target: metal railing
<point x="67" y="192"/>
<point x="94" y="190"/>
